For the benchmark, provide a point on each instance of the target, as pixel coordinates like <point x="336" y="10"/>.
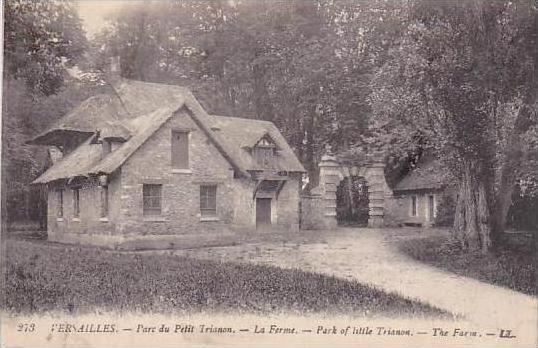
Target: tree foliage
<point x="305" y="65"/>
<point x="42" y="39"/>
<point x="462" y="83"/>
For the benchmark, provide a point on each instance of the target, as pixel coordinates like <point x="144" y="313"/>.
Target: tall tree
<point x="305" y="65"/>
<point x="462" y="83"/>
<point x="42" y="39"/>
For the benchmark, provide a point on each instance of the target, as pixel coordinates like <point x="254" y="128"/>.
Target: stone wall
<point x="399" y="208"/>
<point x="288" y="202"/>
<point x="396" y="210"/>
<point x="152" y="164"/>
<point x="89" y="220"/>
<point x="244" y="204"/>
<point x="312" y="209"/>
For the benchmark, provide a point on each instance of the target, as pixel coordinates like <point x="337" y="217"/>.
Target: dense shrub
<point x="523" y="212"/>
<point x="43" y="277"/>
<point x="521" y="215"/>
<point x="512" y="265"/>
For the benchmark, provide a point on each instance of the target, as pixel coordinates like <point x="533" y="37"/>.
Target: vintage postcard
<point x="197" y="173"/>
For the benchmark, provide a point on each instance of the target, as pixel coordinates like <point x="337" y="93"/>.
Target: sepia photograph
<point x="207" y="173"/>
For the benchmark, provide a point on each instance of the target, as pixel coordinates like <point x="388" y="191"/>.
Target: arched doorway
<point x="352" y="203"/>
<point x="332" y="174"/>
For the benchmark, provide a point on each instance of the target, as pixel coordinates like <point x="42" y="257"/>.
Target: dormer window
<point x="110" y="145"/>
<point x="112" y="136"/>
<point x="264" y="151"/>
<point x="266" y="143"/>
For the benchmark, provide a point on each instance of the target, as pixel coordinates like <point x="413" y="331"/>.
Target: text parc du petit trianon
<point x="270" y="329"/>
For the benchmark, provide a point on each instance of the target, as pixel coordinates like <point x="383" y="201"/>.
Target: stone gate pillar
<point x="377" y="190"/>
<point x="329" y="178"/>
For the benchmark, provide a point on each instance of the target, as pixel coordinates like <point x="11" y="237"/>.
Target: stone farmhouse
<point x="146" y="166"/>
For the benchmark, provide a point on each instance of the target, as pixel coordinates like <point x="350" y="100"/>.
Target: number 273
<point x="26" y="327"/>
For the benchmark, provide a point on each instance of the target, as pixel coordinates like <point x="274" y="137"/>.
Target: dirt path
<point x="368" y="256"/>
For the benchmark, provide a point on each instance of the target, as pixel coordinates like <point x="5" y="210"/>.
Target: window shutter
<point x="180" y="150"/>
<point x="104" y="201"/>
<point x="76" y="203"/>
<point x="60" y="203"/>
<point x="414" y="206"/>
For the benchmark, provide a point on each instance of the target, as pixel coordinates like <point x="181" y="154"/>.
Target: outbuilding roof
<point x="426" y="176"/>
<point x="135" y="111"/>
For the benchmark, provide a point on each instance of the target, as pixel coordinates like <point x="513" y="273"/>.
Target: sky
<point x="93" y="12"/>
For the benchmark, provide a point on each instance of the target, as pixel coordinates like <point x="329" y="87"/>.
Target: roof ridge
<point x="122" y="103"/>
<point x="155" y="84"/>
<point x="116" y="158"/>
<point x="243" y="119"/>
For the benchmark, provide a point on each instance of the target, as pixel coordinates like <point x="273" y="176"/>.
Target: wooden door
<point x="263" y="211"/>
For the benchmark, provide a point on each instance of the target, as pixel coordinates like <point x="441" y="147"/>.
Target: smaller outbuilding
<point x="417" y="195"/>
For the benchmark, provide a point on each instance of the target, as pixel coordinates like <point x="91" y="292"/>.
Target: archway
<point x="352" y="203"/>
<point x="332" y="173"/>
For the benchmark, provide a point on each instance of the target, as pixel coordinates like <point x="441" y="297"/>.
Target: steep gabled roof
<point x="90" y="115"/>
<point x="115" y="159"/>
<point x="146" y="107"/>
<point x="242" y="134"/>
<point x="427" y="176"/>
<point x="77" y="163"/>
<point x="126" y="100"/>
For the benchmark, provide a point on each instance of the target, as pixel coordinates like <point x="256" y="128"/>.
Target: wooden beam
<point x="258" y="185"/>
<point x="279" y="188"/>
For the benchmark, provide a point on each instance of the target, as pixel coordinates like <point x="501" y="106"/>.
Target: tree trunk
<point x="310" y="153"/>
<point x="43" y="196"/>
<point x="472" y="222"/>
<point x="262" y="99"/>
<point x="483" y="218"/>
<point x="503" y="199"/>
<point x="515" y="153"/>
<point x="459" y="218"/>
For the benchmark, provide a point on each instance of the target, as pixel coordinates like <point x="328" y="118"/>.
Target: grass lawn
<point x="511" y="266"/>
<point x="41" y="276"/>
